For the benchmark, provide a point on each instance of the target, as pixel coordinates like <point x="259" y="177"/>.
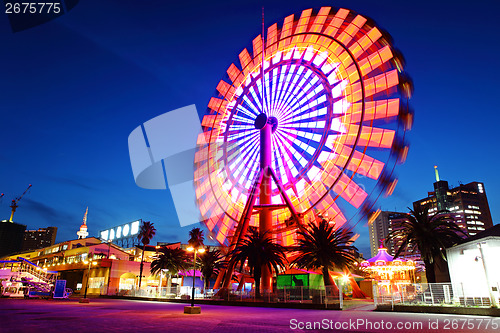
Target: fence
<point x="439" y="294"/>
<point x="329" y="297"/>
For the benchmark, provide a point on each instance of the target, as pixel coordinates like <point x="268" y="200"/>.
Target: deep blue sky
<point x="74" y="88"/>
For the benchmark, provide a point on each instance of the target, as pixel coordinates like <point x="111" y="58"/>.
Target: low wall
<point x="495" y="312"/>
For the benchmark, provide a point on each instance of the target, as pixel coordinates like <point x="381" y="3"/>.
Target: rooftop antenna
<point x="437" y="173"/>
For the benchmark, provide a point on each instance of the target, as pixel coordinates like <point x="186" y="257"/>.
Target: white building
<point x="474" y="268"/>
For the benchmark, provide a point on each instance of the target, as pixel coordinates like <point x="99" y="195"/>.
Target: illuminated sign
<point x="127" y="230"/>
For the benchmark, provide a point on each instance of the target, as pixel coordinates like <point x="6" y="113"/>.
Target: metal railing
<point x="330" y="297"/>
<point x="427" y="294"/>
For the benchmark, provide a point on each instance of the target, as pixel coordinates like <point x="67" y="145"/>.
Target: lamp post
<point x="89" y="262"/>
<point x="490" y="291"/>
<point x="192" y="309"/>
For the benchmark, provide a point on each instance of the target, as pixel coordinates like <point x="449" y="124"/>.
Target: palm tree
<point x="196" y="238"/>
<point x="324" y="247"/>
<point x="258" y="250"/>
<point x="171" y="260"/>
<point x="431" y="235"/>
<point x="211" y="262"/>
<point x="146" y="233"/>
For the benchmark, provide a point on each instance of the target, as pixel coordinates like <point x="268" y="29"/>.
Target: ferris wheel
<point x="310" y="122"/>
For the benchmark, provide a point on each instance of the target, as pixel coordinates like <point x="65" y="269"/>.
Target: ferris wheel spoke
<point x="292" y="160"/>
<point x="296" y="146"/>
<point x="285" y="164"/>
<point x="287" y="83"/>
<point x="244" y="154"/>
<point x="309" y="115"/>
<point x="248" y="153"/>
<point x="301" y="143"/>
<point x="279" y="166"/>
<point x="273" y="91"/>
<point x="281" y="79"/>
<point x="245" y="170"/>
<point x="244" y="115"/>
<point x="312" y="103"/>
<point x="297" y="91"/>
<point x="243" y="122"/>
<point x="237" y="135"/>
<point x="287" y="93"/>
<point x="314" y="134"/>
<point x="254" y="104"/>
<point x="247" y="108"/>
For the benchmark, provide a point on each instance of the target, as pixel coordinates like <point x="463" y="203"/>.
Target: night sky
<point x="74" y="88"/>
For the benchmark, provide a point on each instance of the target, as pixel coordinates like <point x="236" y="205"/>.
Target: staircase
<point x="37" y="278"/>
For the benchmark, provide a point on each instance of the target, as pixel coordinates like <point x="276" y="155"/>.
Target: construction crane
<point x="13" y="205"/>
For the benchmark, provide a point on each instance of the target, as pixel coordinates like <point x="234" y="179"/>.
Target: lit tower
<point x="441" y="190"/>
<point x="82" y="233"/>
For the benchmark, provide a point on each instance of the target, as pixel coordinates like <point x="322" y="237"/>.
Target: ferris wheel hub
<point x="261" y="120"/>
<point x="273" y="121"/>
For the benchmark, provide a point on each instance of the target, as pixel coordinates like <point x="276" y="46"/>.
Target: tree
<point x="172" y="260"/>
<point x="211" y="262"/>
<point x="146" y="233"/>
<point x="431" y="235"/>
<point x="324" y="247"/>
<point x="196" y="238"/>
<point x="259" y="250"/>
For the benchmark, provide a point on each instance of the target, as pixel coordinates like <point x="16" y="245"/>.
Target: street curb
<point x="234" y="303"/>
<point x="440" y="310"/>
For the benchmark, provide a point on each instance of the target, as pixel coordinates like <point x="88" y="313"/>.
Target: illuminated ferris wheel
<point x="313" y="125"/>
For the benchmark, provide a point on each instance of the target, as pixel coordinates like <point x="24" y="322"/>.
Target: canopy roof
<point x="382" y="255"/>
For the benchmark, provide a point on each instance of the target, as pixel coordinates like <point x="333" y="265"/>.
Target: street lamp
<point x="89" y="263"/>
<point x="193" y="310"/>
<point x="490" y="290"/>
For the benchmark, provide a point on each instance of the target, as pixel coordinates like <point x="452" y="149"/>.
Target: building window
<point x="96" y="282"/>
<point x="126" y="283"/>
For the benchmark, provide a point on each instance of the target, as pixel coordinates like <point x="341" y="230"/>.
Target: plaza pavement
<point x="112" y="315"/>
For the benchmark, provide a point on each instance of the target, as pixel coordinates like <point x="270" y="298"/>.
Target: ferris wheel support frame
<point x="265" y="215"/>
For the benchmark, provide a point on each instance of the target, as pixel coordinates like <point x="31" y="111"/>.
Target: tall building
<point x="381" y="227"/>
<point x="37" y="239"/>
<point x="11" y="237"/>
<point x="467" y="203"/>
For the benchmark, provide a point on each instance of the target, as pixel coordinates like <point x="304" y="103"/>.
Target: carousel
<point x="390" y="275"/>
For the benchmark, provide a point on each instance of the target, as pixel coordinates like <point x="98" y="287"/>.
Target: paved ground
<point x="111" y="315"/>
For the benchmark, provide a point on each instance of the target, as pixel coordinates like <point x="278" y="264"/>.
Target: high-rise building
<point x="37" y="239"/>
<point x="11" y="237"/>
<point x="467" y="203"/>
<point x="381" y="227"/>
